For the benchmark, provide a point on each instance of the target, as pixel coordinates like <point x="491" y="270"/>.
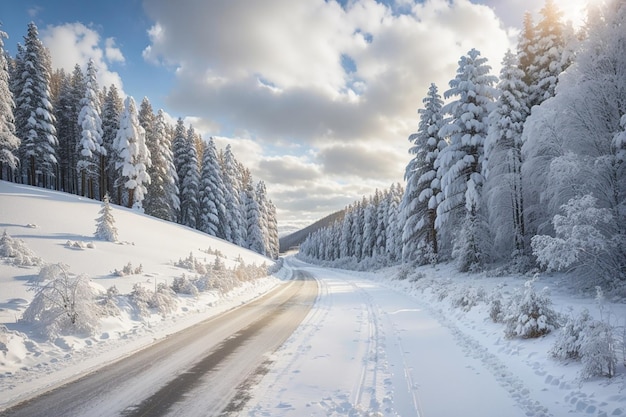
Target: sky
<point x="317" y="98"/>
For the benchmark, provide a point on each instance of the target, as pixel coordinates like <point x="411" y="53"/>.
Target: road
<point x="203" y="370"/>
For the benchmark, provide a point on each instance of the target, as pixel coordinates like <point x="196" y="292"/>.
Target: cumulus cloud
<point x="334" y="81"/>
<point x="75" y="43"/>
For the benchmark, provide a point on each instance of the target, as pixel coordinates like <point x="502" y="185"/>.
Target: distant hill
<point x="295" y="239"/>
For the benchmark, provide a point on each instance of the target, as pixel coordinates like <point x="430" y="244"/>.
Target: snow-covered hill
<point x="59" y="228"/>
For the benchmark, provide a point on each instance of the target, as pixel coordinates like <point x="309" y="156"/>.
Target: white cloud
<point x="112" y="52"/>
<point x="75" y="43"/>
<point x="274" y="69"/>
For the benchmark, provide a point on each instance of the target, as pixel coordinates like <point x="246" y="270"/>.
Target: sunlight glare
<point x="575" y="11"/>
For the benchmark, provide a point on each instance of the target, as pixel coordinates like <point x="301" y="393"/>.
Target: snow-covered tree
<point x="503" y="186"/>
<point x="232" y="181"/>
<point x="272" y="229"/>
<point x="264" y="220"/>
<point x="34" y="118"/>
<point x="111" y="111"/>
<point x="394" y="223"/>
<point x="581" y="240"/>
<point x="105" y="224"/>
<point x="255" y="239"/>
<point x="213" y="216"/>
<point x="9" y="142"/>
<point x="162" y="200"/>
<point x="90" y="151"/>
<point x="186" y="162"/>
<point x="548" y="54"/>
<point x="419" y="204"/>
<point x="570" y="140"/>
<point x="65" y="304"/>
<point x="460" y="164"/>
<point x="133" y="156"/>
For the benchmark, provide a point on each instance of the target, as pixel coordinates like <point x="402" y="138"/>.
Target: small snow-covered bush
<point x="140" y="296"/>
<point x="107" y="302"/>
<point x="568" y="344"/>
<point x="17" y="252"/>
<point x="128" y="270"/>
<point x="182" y="285"/>
<point x="192" y="264"/>
<point x="65" y="304"/>
<point x="467" y="298"/>
<point x="496" y="305"/>
<point x="530" y="314"/>
<point x="598" y="350"/>
<point x="163" y="299"/>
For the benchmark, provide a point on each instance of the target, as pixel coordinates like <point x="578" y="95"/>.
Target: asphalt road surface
<point x="204" y="370"/>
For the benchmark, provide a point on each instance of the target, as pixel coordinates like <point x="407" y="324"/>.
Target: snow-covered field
<point x="373" y="344"/>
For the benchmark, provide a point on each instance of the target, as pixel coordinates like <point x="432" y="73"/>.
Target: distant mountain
<point x="294" y="240"/>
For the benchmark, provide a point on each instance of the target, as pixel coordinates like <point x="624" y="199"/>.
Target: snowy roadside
<point x="375" y="345"/>
<point x="46" y="364"/>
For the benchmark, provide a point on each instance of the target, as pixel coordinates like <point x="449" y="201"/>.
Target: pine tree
<point x="548" y="47"/>
<point x="111" y="111"/>
<point x="232" y="182"/>
<point x="272" y="227"/>
<point x="162" y="200"/>
<point x="34" y="118"/>
<point x="9" y="142"/>
<point x="90" y="151"/>
<point x="503" y="187"/>
<point x="420" y="243"/>
<point x="105" y="224"/>
<point x="186" y="162"/>
<point x="133" y="156"/>
<point x="460" y="163"/>
<point x="254" y="233"/>
<point x="212" y="204"/>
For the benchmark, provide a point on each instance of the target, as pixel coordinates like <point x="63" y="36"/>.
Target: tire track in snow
<point x="507" y="379"/>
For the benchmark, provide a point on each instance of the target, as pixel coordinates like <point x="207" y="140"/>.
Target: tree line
<point x="62" y="131"/>
<point x="523" y="170"/>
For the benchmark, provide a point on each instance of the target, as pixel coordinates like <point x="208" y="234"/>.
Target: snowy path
<point x="368" y="350"/>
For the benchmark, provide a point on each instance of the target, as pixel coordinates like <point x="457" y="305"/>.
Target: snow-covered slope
<point x="59" y="228"/>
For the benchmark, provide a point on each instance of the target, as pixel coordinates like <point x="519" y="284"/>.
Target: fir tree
<point x="162" y="199"/>
<point x="503" y="187"/>
<point x="232" y="182"/>
<point x="212" y="203"/>
<point x="105" y="224"/>
<point x="420" y="242"/>
<point x="460" y="163"/>
<point x="9" y="142"/>
<point x="111" y="111"/>
<point x="34" y="118"/>
<point x="90" y="149"/>
<point x="133" y="156"/>
<point x="186" y="162"/>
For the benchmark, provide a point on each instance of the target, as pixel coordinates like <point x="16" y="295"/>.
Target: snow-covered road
<point x="196" y="372"/>
<point x="367" y="350"/>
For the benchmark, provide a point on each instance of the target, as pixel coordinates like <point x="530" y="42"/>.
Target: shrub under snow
<point x="17" y="252"/>
<point x="65" y="304"/>
<point x="530" y="314"/>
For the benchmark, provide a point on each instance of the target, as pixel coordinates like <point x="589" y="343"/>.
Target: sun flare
<point x="575" y="11"/>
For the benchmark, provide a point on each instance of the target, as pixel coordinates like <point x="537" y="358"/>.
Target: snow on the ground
<point x="46" y="221"/>
<point x="373" y="345"/>
<point x="377" y="346"/>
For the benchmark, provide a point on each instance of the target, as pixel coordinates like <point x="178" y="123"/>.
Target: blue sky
<point x="316" y="97"/>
